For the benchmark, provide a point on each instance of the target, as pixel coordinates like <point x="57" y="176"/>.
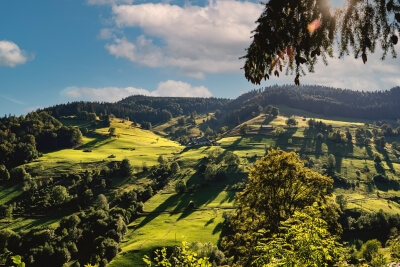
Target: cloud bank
<point x="11" y="55"/>
<point x="195" y="40"/>
<point x="351" y="73"/>
<point x="201" y="40"/>
<point x="113" y="94"/>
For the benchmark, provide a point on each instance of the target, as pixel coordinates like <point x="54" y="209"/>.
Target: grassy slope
<point x="146" y="234"/>
<point x="167" y="219"/>
<point x="147" y="148"/>
<point x="135" y="144"/>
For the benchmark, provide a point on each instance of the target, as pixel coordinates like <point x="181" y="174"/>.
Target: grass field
<point x="8" y="193"/>
<point x="137" y="145"/>
<point x="167" y="229"/>
<point x="166" y="220"/>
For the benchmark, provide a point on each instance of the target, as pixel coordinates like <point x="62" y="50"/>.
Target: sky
<point x="54" y="52"/>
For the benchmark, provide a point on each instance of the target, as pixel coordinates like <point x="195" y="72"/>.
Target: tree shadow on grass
<point x="207" y="193"/>
<point x="387" y="159"/>
<point x="235" y="144"/>
<point x="41" y="222"/>
<point x="179" y="203"/>
<point x="379" y="169"/>
<point x="218" y="228"/>
<point x="230" y="196"/>
<point x="165" y="206"/>
<point x="391" y="185"/>
<point x="210" y="221"/>
<point x="268" y="119"/>
<point x="100" y="140"/>
<point x="200" y="198"/>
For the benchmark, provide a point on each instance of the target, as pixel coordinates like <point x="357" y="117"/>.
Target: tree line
<point x="328" y="101"/>
<point x="142" y="108"/>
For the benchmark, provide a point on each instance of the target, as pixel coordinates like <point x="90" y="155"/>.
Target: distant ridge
<point x="327" y="101"/>
<point x="324" y="100"/>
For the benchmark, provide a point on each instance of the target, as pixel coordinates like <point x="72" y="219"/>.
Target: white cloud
<point x="109" y="2"/>
<point x="351" y="73"/>
<point x="11" y="55"/>
<point x="106" y="34"/>
<point x="108" y="94"/>
<point x="194" y="39"/>
<point x="142" y="52"/>
<point x="178" y="88"/>
<point x="113" y="94"/>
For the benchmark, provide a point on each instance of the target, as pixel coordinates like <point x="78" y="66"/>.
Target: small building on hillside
<point x="201" y="141"/>
<point x="267" y="127"/>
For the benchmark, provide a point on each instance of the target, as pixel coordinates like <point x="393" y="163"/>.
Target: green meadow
<point x="137" y="145"/>
<point x="166" y="219"/>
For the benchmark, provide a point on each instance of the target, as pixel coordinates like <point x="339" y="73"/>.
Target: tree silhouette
<point x="295" y="34"/>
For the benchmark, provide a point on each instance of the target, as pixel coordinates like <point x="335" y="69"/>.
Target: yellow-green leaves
<point x="279" y="185"/>
<point x="18" y="260"/>
<point x="182" y="256"/>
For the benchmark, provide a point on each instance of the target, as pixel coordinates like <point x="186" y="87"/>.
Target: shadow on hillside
<point x="386" y="158"/>
<point x="379" y="169"/>
<point x="369" y="151"/>
<point x="230" y="196"/>
<point x="385" y="187"/>
<point x="165" y="206"/>
<point x="236" y="143"/>
<point x="342" y="149"/>
<point x="218" y="228"/>
<point x="267" y="120"/>
<point x="207" y="193"/>
<point x="99" y="140"/>
<point x="179" y="203"/>
<point x="308" y="145"/>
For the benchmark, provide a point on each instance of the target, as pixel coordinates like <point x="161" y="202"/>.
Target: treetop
<point x="294" y="35"/>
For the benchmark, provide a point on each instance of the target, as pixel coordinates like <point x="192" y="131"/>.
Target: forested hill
<point x="325" y="100"/>
<point x="328" y="101"/>
<point x="142" y="108"/>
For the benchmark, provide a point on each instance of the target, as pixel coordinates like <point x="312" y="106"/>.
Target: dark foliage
<point x="142" y="108"/>
<point x="328" y="101"/>
<point x="21" y="138"/>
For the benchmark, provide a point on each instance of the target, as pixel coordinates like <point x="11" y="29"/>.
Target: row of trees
<point x="141" y="108"/>
<point x="376" y="105"/>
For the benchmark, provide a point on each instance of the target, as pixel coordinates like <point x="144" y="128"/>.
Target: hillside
<point x="124" y="189"/>
<point x="326" y="101"/>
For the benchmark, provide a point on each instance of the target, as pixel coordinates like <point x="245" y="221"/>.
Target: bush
<point x="175" y="167"/>
<point x="180" y="186"/>
<point x="370" y="248"/>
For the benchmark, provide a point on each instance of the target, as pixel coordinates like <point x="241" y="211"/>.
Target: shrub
<point x="180" y="186"/>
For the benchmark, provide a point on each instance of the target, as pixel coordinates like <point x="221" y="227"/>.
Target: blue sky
<point x="103" y="50"/>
